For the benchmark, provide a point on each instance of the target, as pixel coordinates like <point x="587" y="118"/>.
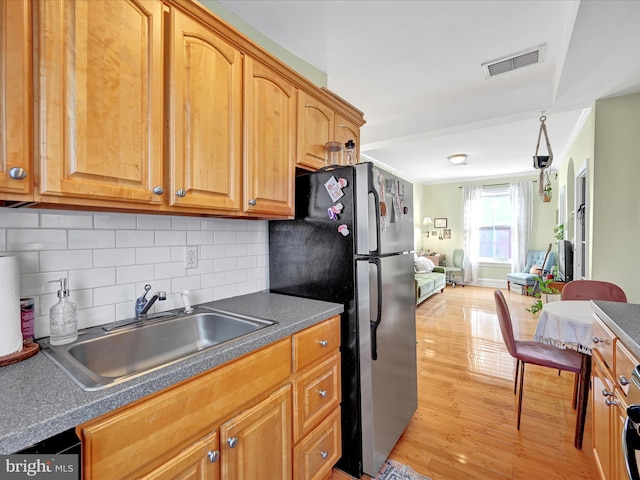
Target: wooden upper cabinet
<point x="345" y="131"/>
<point x="270" y="140"/>
<point x="16" y="173"/>
<point x="205" y="128"/>
<point x="315" y="128"/>
<point x="100" y="99"/>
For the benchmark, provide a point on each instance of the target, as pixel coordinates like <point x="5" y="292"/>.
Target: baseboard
<point x="489" y="282"/>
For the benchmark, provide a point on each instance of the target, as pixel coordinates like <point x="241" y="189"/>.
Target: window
<point x="495" y="224"/>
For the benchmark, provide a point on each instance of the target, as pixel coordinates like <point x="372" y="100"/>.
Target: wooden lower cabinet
<point x="233" y="422"/>
<point x="316" y="401"/>
<point x="259" y="440"/>
<point x="611" y="370"/>
<point x="316" y="454"/>
<point x="602" y="417"/>
<point x="199" y="460"/>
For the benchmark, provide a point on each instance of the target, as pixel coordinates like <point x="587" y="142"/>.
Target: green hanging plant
<point x="542" y="286"/>
<point x="559" y="232"/>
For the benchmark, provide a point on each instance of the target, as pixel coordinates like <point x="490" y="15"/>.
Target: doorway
<point x="581" y="223"/>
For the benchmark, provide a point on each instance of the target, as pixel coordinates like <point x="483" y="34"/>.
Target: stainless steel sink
<point x="105" y="356"/>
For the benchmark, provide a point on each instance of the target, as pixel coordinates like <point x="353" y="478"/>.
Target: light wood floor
<point x="465" y="425"/>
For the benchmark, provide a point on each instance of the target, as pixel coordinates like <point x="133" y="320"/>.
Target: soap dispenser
<point x="63" y="317"/>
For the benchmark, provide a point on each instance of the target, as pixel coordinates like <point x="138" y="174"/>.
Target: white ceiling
<point x="414" y="68"/>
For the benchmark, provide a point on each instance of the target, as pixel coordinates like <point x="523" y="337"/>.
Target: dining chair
<point x="534" y="353"/>
<point x="593" y="290"/>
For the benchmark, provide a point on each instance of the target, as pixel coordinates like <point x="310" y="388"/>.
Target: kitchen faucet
<point x="143" y="305"/>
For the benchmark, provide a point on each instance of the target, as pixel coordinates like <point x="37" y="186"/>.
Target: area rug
<point x="392" y="470"/>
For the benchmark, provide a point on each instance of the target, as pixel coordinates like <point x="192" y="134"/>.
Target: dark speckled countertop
<point x="623" y="319"/>
<point x="39" y="400"/>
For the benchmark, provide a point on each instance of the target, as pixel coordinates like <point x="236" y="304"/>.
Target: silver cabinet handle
<point x="610" y="402"/>
<point x="213" y="455"/>
<point x="233" y="441"/>
<point x="158" y="190"/>
<point x="624" y="380"/>
<point x="323" y="393"/>
<point x="181" y="193"/>
<point x="17" y="173"/>
<point x="252" y="202"/>
<point x="324" y="454"/>
<point x="324" y="343"/>
<point x="606" y="393"/>
<point x="597" y="340"/>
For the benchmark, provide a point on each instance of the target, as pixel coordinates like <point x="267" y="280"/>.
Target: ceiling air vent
<point x="517" y="60"/>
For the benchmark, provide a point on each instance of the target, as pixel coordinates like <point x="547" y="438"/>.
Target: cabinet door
<point x="101" y="99"/>
<point x="199" y="461"/>
<point x="205" y="131"/>
<point x="315" y="128"/>
<point x="619" y="416"/>
<point x="15" y="100"/>
<point x="345" y="130"/>
<point x="602" y="417"/>
<point x="270" y="139"/>
<point x="258" y="441"/>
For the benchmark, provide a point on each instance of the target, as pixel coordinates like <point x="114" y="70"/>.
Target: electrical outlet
<point x="191" y="256"/>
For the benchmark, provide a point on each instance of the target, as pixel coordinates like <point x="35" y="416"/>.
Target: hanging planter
<point x="546" y="193"/>
<point x="543" y="162"/>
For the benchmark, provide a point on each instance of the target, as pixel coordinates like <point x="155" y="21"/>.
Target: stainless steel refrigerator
<point x="351" y="242"/>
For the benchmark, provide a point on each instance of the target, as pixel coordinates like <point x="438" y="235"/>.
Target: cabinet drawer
<point x="625" y="363"/>
<point x="606" y="342"/>
<point x="315" y="342"/>
<point x="118" y="443"/>
<point x="316" y="455"/>
<point x="316" y="392"/>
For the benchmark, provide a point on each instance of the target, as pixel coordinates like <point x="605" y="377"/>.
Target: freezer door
<point x="384" y="212"/>
<point x="387" y="321"/>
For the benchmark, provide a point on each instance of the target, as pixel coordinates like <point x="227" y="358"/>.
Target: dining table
<point x="568" y="324"/>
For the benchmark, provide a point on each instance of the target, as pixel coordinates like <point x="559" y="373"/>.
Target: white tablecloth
<point x="566" y="324"/>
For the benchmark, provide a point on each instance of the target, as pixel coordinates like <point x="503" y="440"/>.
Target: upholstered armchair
<point x="527" y="279"/>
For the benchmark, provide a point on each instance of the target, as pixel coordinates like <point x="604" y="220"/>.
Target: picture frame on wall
<point x="439" y="223"/>
<point x="446" y="234"/>
<point x="434" y="233"/>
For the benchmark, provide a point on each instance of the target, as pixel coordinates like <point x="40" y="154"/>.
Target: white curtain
<point x="521" y="208"/>
<point x="471" y="195"/>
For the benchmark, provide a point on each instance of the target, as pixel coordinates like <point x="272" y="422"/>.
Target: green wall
<point x="307" y="70"/>
<point x="445" y="201"/>
<point x="609" y="144"/>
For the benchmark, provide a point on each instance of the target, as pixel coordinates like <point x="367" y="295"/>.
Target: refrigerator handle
<point x="376" y="323"/>
<point x="376" y="207"/>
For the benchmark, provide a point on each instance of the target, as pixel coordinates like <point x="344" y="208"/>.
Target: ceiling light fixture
<point x="458" y="158"/>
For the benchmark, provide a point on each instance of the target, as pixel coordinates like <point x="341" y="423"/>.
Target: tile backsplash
<point x="109" y="257"/>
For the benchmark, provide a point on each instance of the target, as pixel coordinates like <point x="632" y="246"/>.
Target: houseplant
<point x="558" y="231"/>
<point x="542" y="286"/>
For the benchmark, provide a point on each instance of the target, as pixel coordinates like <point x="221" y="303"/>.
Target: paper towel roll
<point x="10" y="327"/>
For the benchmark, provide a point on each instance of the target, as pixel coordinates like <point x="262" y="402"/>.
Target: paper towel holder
<point x="29" y="349"/>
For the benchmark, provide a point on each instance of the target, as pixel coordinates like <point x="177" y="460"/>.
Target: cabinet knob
<point x="213" y="455"/>
<point x="610" y="402"/>
<point x="606" y="393"/>
<point x="323" y="393"/>
<point x="181" y="193"/>
<point x="158" y="190"/>
<point x="17" y="173"/>
<point x="624" y="380"/>
<point x="233" y="441"/>
<point x="252" y="202"/>
<point x="596" y="340"/>
<point x="324" y="454"/>
<point x="324" y="343"/>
